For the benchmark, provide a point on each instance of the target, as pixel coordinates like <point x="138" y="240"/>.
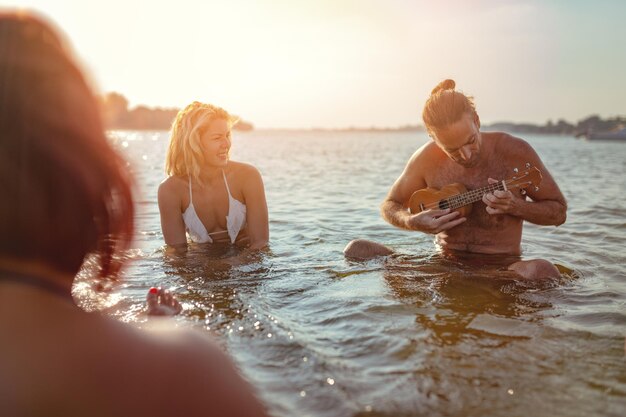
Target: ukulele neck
<point x="469" y="197"/>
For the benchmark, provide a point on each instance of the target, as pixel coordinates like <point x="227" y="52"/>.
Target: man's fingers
<point x="438" y="212"/>
<point x="492" y="200"/>
<point x="492" y="210"/>
<point x="452" y="224"/>
<point x="445" y="214"/>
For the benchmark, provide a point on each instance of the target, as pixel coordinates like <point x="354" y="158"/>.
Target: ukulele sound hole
<point x="444" y="204"/>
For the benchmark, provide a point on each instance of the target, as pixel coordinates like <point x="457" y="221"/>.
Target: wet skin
<point x="463" y="154"/>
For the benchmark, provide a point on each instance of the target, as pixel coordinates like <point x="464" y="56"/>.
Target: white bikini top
<point x="235" y="219"/>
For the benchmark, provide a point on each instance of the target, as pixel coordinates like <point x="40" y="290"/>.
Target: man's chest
<point x="470" y="178"/>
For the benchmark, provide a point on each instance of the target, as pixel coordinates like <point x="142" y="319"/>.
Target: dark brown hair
<point x="65" y="192"/>
<point x="445" y="106"/>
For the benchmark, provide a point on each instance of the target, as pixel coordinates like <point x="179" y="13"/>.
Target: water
<point x="323" y="336"/>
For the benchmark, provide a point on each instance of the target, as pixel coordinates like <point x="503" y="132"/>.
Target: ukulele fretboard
<point x="469" y="197"/>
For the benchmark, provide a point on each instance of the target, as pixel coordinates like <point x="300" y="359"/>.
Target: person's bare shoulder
<point x="243" y="169"/>
<point x="425" y="156"/>
<point x="171" y="191"/>
<point x="181" y="364"/>
<point x="205" y="376"/>
<point x="510" y="146"/>
<point x="172" y="185"/>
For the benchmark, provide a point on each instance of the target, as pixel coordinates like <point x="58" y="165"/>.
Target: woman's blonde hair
<point x="446" y="106"/>
<point x="184" y="155"/>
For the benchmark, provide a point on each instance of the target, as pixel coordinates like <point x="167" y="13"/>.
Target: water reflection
<point x="214" y="283"/>
<point x="410" y="336"/>
<point x="454" y="300"/>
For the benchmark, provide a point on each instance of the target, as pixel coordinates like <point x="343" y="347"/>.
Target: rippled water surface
<point x="413" y="335"/>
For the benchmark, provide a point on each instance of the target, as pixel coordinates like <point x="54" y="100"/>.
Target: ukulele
<point x="457" y="197"/>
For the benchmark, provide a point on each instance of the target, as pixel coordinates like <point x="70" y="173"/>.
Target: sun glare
<point x="339" y="63"/>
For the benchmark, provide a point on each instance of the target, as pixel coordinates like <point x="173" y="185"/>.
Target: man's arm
<point x="394" y="207"/>
<point x="547" y="206"/>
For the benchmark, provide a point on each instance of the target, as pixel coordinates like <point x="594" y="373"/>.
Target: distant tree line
<point x="583" y="127"/>
<point x="117" y="115"/>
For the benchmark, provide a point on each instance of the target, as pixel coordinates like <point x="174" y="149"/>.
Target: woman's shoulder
<point x="173" y="185"/>
<point x="243" y="169"/>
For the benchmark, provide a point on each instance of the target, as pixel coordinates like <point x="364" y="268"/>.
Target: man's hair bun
<point x="444" y="85"/>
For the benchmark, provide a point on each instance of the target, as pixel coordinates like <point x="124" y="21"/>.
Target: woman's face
<point x="216" y="143"/>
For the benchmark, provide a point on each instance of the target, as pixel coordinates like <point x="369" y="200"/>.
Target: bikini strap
<point x="226" y="183"/>
<point x="190" y="194"/>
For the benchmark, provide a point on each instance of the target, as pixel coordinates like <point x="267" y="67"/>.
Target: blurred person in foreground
<point x="490" y="235"/>
<point x="66" y="195"/>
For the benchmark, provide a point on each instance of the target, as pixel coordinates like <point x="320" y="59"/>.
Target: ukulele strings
<point x="460" y="200"/>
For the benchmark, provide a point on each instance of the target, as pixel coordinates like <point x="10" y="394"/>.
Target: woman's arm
<point x="172" y="224"/>
<point x="256" y="209"/>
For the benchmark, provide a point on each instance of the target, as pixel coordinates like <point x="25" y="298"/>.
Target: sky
<point x="342" y="63"/>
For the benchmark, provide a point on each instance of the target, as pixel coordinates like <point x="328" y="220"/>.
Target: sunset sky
<point x="339" y="63"/>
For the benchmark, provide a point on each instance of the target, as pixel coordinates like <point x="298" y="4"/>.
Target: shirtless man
<point x="461" y="153"/>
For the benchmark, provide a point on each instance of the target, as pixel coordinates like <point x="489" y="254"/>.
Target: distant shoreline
<point x="317" y="130"/>
<point x="117" y="116"/>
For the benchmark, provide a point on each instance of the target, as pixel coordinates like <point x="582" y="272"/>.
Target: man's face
<point x="461" y="141"/>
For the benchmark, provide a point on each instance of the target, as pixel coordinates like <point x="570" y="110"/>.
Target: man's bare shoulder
<point x="428" y="153"/>
<point x="507" y="144"/>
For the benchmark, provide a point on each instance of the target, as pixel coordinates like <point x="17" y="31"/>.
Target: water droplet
<point x="510" y="392"/>
<point x="330" y="381"/>
<point x="269" y="335"/>
<point x="305" y="359"/>
<point x="144" y="157"/>
<point x="303" y="393"/>
<point x="240" y="328"/>
<point x="125" y="144"/>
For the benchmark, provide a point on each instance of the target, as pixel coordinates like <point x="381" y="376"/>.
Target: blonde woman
<point x="206" y="196"/>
